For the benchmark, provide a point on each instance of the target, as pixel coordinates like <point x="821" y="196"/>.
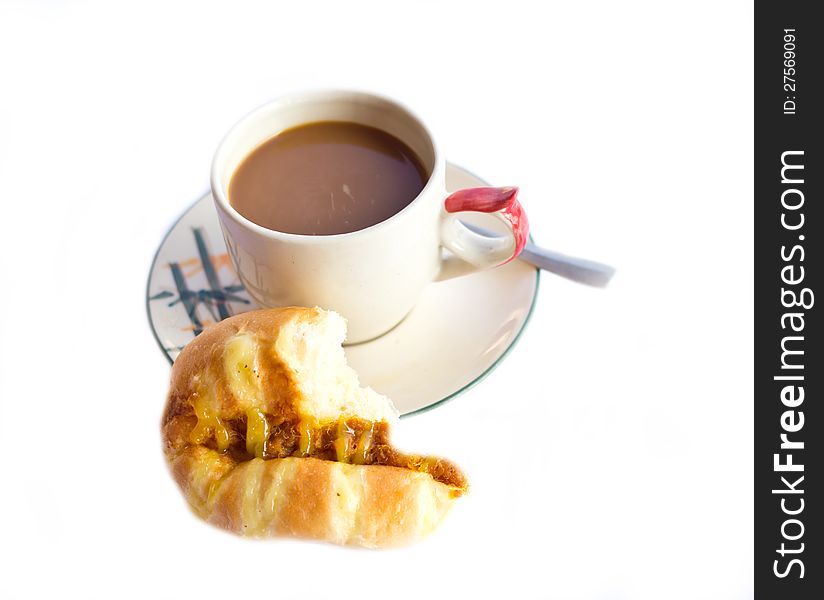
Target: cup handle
<point x="472" y="251"/>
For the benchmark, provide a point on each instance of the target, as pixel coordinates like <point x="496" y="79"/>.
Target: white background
<point x="610" y="455"/>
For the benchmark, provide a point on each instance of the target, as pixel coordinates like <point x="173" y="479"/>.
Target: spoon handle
<point x="576" y="269"/>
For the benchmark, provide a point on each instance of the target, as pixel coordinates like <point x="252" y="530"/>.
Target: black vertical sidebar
<point x="789" y="259"/>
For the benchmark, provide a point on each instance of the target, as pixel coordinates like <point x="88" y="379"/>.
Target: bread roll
<point x="268" y="432"/>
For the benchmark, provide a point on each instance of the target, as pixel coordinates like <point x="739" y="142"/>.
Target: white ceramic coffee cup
<point x="374" y="276"/>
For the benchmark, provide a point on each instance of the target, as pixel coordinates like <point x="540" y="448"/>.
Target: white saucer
<point x="458" y="332"/>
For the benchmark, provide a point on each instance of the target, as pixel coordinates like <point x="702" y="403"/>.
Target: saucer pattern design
<point x="205" y="286"/>
<point x="216" y="297"/>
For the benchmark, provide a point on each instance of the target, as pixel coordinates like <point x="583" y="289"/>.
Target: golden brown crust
<point x="369" y="504"/>
<point x="201" y="362"/>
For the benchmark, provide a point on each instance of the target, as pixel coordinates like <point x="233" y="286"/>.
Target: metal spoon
<point x="581" y="270"/>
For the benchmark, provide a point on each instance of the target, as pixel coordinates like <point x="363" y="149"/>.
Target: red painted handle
<point x="502" y="200"/>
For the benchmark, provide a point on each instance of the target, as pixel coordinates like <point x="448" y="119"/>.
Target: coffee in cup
<point x="338" y="199"/>
<point x="326" y="178"/>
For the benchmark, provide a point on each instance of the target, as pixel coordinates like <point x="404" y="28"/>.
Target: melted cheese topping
<point x="305" y="444"/>
<point x="208" y="421"/>
<point x="349" y="448"/>
<point x="359" y="456"/>
<point x="240" y="366"/>
<point x="342" y="441"/>
<point x="257" y="432"/>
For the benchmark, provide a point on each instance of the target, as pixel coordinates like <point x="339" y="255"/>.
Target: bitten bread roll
<point x="268" y="433"/>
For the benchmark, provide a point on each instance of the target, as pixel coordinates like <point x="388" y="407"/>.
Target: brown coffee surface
<point x="325" y="178"/>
